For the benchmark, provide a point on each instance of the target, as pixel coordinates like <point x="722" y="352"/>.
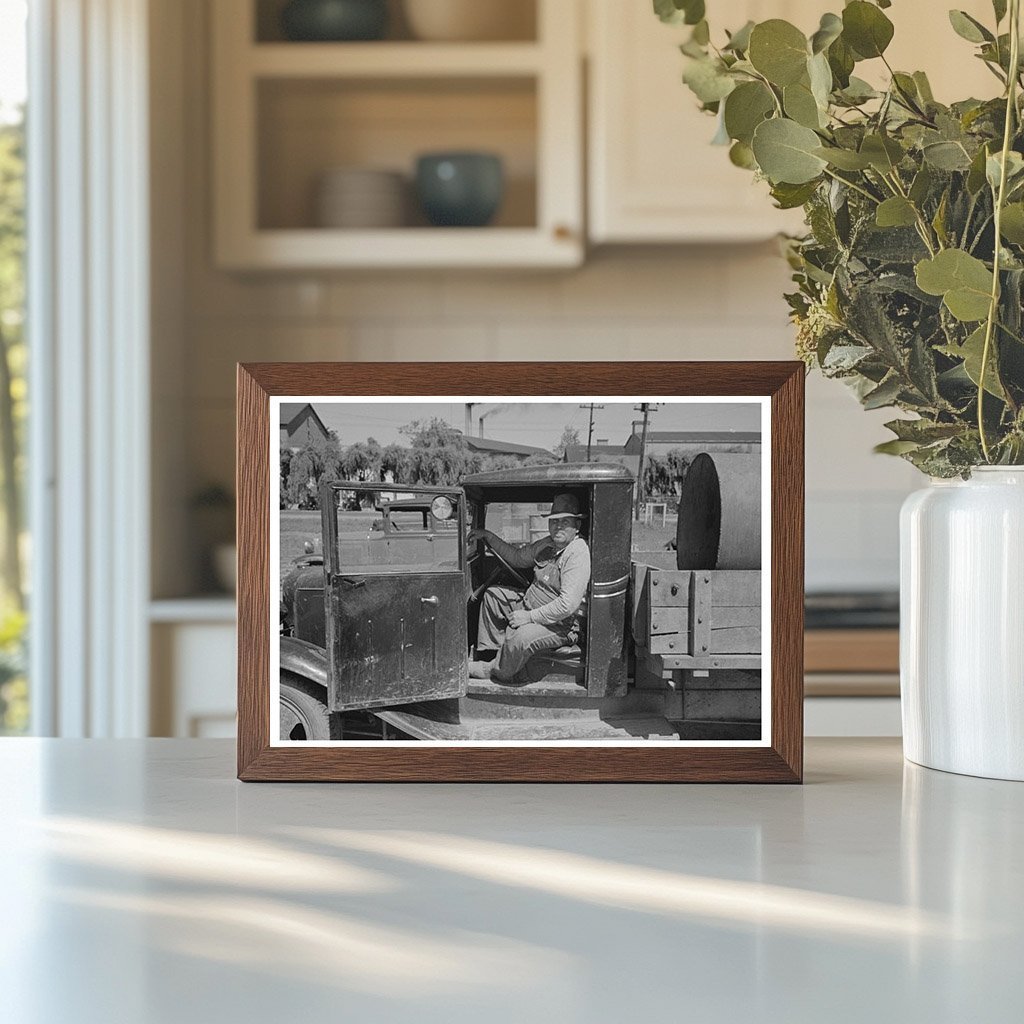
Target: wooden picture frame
<point x="780" y="756"/>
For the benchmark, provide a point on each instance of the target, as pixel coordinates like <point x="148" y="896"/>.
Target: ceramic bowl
<point x="470" y="20"/>
<point x="359" y="197"/>
<point x="460" y="189"/>
<point x="334" y="20"/>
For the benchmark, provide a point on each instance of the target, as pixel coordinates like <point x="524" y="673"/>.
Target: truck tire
<point x="303" y="711"/>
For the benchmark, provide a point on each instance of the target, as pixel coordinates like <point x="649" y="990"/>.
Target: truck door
<point x="395" y="599"/>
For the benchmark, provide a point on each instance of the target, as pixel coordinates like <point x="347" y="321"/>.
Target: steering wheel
<point x="516" y="575"/>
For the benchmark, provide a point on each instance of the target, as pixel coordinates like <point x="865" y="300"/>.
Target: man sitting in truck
<point x="515" y="624"/>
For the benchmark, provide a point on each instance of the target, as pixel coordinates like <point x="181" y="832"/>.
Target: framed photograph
<point x="520" y="572"/>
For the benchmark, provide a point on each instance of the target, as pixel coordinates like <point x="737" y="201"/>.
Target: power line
<point x="646" y="408"/>
<point x="590" y="432"/>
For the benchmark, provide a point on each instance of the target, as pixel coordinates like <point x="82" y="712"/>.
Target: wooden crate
<point x="697" y="614"/>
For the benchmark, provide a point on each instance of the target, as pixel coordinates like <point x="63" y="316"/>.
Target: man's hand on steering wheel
<point x="479" y="534"/>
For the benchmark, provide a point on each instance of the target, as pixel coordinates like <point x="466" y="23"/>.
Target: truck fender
<point x="304" y="659"/>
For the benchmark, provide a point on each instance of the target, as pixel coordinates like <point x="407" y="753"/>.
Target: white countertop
<point x="144" y="885"/>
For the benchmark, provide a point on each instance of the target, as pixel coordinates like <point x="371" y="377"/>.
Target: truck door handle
<point x="352" y="581"/>
<point x="428" y="600"/>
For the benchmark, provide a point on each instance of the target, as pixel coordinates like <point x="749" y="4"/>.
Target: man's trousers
<point x="515" y="647"/>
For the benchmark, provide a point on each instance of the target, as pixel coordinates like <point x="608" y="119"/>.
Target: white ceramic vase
<point x="962" y="624"/>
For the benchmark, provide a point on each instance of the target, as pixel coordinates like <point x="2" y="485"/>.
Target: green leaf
<point x="968" y="28"/>
<point x="785" y="152"/>
<point x="820" y="76"/>
<point x="946" y="156"/>
<point x="1014" y="169"/>
<point x="999" y="7"/>
<point x="778" y="50"/>
<point x="866" y="29"/>
<point x="963" y="281"/>
<point x="841" y="60"/>
<point x="921" y="185"/>
<point x="939" y="220"/>
<point x="707" y="80"/>
<point x="885" y="394"/>
<point x="745" y="108"/>
<point x="971" y="352"/>
<point x="895" y="447"/>
<point x="1011" y="226"/>
<point x="858" y="91"/>
<point x="844" y="159"/>
<point x="924" y="88"/>
<point x="701" y="33"/>
<point x="739" y="41"/>
<point x="923" y="431"/>
<point x="789" y="197"/>
<point x="675" y="12"/>
<point x="694" y="11"/>
<point x="976" y="174"/>
<point x="883" y="153"/>
<point x="800" y="105"/>
<point x="742" y="155"/>
<point x="830" y="29"/>
<point x="896" y="212"/>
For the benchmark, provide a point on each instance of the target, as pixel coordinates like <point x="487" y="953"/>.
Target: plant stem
<point x="850" y="184"/>
<point x="922" y="225"/>
<point x="993" y="309"/>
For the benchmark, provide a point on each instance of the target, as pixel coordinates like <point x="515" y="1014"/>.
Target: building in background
<point x="693" y="442"/>
<point x="520" y="452"/>
<point x="301" y="426"/>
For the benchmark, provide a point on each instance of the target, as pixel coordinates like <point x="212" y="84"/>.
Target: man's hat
<point x="565" y="506"/>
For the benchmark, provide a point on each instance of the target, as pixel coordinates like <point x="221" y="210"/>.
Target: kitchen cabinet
<point x="192" y="648"/>
<point x="286" y="113"/>
<point x="653" y="175"/>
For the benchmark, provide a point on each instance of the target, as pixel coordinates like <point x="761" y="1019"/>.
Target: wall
<point x="719" y="302"/>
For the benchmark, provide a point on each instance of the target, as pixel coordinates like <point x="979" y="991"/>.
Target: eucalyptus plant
<point x="910" y="279"/>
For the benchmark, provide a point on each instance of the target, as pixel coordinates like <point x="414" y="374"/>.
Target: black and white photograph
<point x="524" y="571"/>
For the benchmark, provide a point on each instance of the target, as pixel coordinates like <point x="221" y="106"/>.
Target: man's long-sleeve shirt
<point x="560" y="581"/>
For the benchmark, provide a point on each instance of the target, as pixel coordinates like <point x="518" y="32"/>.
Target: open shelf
<point x="306" y="128"/>
<point x="519" y="22"/>
<point x="393" y="60"/>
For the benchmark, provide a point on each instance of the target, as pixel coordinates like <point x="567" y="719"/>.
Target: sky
<point x="12" y="56"/>
<point x="532" y="423"/>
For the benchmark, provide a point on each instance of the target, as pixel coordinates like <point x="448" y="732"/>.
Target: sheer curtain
<point x="88" y="301"/>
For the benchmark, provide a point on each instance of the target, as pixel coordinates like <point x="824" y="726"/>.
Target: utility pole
<point x="590" y="432"/>
<point x="646" y="408"/>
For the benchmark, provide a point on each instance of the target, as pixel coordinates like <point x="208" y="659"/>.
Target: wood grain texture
<point x="782" y="762"/>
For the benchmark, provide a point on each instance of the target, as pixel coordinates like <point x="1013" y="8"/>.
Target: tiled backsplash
<point x="701" y="303"/>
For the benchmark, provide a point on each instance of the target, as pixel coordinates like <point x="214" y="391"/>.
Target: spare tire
<point x="719" y="523"/>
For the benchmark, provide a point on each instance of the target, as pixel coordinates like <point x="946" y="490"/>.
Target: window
<point x="14" y="704"/>
<point x="373" y="537"/>
<point x="518" y="522"/>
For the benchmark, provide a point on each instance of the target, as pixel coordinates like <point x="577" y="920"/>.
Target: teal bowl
<point x="334" y="21"/>
<point x="460" y="190"/>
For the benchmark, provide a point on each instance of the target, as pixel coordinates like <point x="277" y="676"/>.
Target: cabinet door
<point x="654" y="175"/>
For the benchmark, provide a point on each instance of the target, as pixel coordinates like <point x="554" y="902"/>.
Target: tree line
<point x="437" y="455"/>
